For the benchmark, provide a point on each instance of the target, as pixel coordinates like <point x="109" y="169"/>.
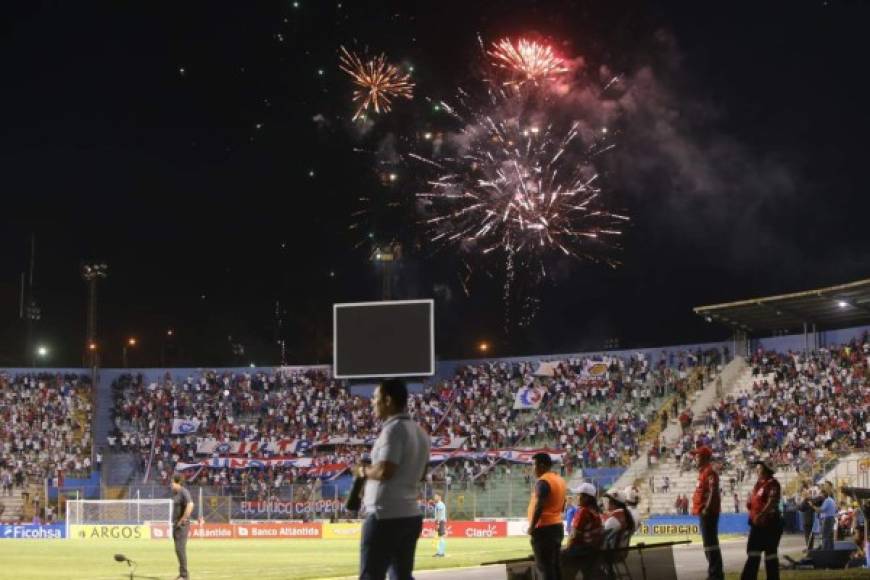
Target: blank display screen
<point x="383" y="339"/>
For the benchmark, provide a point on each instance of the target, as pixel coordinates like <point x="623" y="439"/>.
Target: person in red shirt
<point x="706" y="505"/>
<point x="587" y="534"/>
<point x="765" y="524"/>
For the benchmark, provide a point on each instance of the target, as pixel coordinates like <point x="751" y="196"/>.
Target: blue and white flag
<point x="528" y="398"/>
<point x="184" y="426"/>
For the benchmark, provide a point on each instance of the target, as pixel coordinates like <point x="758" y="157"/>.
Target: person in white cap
<point x="618" y="521"/>
<point x="632" y="499"/>
<point x="587" y="534"/>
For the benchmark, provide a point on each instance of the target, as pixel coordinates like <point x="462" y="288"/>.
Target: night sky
<point x="205" y="151"/>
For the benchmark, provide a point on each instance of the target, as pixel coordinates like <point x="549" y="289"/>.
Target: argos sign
<point x="29" y="532"/>
<point x="77" y="532"/>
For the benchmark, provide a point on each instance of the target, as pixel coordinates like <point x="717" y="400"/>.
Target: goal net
<point x="118" y="511"/>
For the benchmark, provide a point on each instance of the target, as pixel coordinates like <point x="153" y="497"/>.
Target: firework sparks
<point x="520" y="191"/>
<point x="526" y="60"/>
<point x="377" y="82"/>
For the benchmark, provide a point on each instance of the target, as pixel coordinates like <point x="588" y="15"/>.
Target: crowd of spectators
<point x="800" y="409"/>
<point x="45" y="428"/>
<point x="596" y="419"/>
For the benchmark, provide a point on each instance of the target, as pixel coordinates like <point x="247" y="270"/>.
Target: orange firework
<point x="378" y="82"/>
<point x="526" y="60"/>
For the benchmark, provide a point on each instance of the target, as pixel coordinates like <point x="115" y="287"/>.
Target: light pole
<point x="170" y="335"/>
<point x="91" y="273"/>
<point x="131" y="342"/>
<point x="41" y="352"/>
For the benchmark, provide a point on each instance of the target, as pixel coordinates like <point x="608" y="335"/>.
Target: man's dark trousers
<point x="709" y="525"/>
<point x="389" y="544"/>
<point x="546" y="545"/>
<point x="179" y="536"/>
<point x="763" y="540"/>
<point x="807" y="517"/>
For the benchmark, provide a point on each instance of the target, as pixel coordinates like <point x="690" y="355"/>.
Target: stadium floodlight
<point x="842" y="304"/>
<point x="42" y="351"/>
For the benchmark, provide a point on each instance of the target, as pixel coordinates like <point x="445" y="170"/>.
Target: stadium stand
<point x="45" y="432"/>
<point x="800" y="410"/>
<point x="586" y="403"/>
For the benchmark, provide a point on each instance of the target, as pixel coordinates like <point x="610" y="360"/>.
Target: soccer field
<point x="219" y="559"/>
<point x="288" y="559"/>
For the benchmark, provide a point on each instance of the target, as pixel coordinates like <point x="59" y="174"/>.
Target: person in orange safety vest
<point x="546" y="506"/>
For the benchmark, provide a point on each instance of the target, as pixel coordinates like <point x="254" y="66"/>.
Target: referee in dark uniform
<point x="182" y="507"/>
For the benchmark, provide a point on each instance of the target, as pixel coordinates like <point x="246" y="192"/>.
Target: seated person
<point x="586" y="535"/>
<point x="618" y="521"/>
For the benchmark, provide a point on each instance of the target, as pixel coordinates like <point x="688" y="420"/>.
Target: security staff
<point x="182" y="507"/>
<point x="545" y="517"/>
<point x="706" y="505"/>
<point x="765" y="524"/>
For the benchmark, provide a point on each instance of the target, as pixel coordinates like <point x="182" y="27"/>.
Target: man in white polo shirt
<point x="398" y="464"/>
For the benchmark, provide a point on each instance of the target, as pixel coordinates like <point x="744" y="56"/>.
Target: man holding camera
<point x="398" y="464"/>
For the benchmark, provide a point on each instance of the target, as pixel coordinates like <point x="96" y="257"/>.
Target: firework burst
<point x="523" y="191"/>
<point x="526" y="61"/>
<point x="377" y="82"/>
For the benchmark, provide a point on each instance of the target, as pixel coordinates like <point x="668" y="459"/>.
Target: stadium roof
<point x="832" y="307"/>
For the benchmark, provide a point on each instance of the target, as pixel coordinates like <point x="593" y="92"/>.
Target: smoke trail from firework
<point x="377" y="82"/>
<point x="526" y="61"/>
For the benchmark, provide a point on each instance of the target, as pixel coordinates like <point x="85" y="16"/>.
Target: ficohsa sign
<point x="15" y="532"/>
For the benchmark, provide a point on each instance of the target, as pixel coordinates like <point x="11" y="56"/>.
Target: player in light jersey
<point x="441" y="522"/>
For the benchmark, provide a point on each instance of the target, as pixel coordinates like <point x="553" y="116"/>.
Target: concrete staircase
<point x="13" y="507"/>
<point x="732" y="377"/>
<point x="661" y="502"/>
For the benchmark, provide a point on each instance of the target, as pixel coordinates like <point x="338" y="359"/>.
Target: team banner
<point x="304" y="464"/>
<point x="32" y="532"/>
<point x="529" y="397"/>
<point x="596" y="369"/>
<point x="448" y="441"/>
<point x="276" y="447"/>
<point x="547" y="369"/>
<point x="184" y="426"/>
<point x="91" y="532"/>
<point x="511" y="455"/>
<point x="298" y="446"/>
<point x="331" y="471"/>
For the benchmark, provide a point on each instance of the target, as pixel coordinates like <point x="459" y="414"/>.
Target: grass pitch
<point x="226" y="559"/>
<point x="261" y="559"/>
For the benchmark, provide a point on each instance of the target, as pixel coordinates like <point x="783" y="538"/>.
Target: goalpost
<point x="118" y="512"/>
